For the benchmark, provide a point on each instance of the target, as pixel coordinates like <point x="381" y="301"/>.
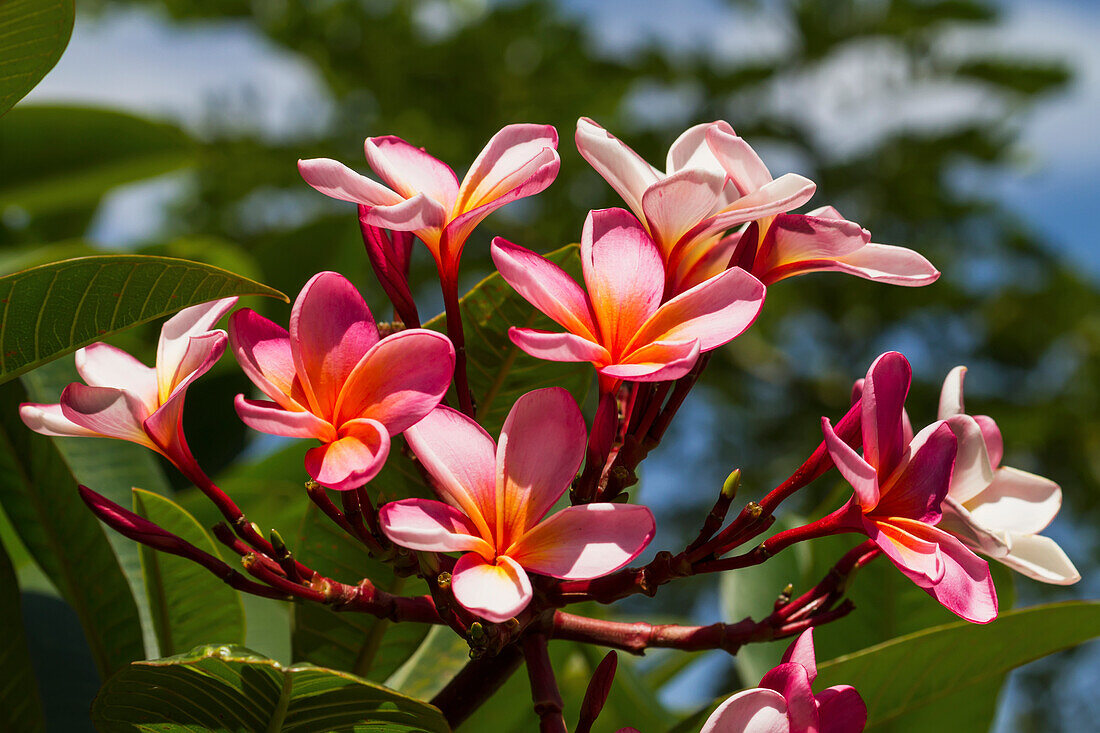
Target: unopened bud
<point x="278" y="544"/>
<point x="732" y="484"/>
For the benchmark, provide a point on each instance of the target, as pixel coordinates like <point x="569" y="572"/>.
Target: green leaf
<point x="51" y="310"/>
<point x="35" y="34"/>
<point x="908" y="674"/>
<point x="40" y="498"/>
<point x="63" y="159"/>
<point x="189" y="605"/>
<point x="223" y="689"/>
<point x="441" y="656"/>
<point x="20" y="707"/>
<point x="499" y="372"/>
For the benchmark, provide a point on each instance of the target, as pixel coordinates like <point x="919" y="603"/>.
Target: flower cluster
<point x="682" y="271"/>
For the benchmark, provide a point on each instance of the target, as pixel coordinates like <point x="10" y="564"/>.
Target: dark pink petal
<point x="461" y="458"/>
<point x="856" y="471"/>
<point x="623" y="272"/>
<point x="114" y="413"/>
<point x="409" y="170"/>
<point x="351" y="460"/>
<point x="175" y="340"/>
<point x="792" y="681"/>
<point x="272" y="418"/>
<point x="884" y="392"/>
<point x="558" y="346"/>
<point x="801" y="651"/>
<point x="399" y="381"/>
<point x="585" y="541"/>
<point x="676" y="204"/>
<point x="757" y="710"/>
<point x="331" y="329"/>
<point x="263" y="351"/>
<point x="841" y="710"/>
<point x="340" y="182"/>
<point x="545" y="286"/>
<point x="620" y="166"/>
<point x="658" y="362"/>
<point x="101" y="365"/>
<point x="496" y="592"/>
<point x="919" y="484"/>
<point x="539" y="453"/>
<point x="738" y="159"/>
<point x="906" y="544"/>
<point x="714" y="312"/>
<point x="390" y="253"/>
<point x="50" y="420"/>
<point x="432" y="526"/>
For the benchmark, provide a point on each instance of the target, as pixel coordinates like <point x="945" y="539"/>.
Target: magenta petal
<point x="271" y="418"/>
<point x="114" y="413"/>
<point x="351" y="460"/>
<point x="263" y="351"/>
<point x="801" y="651"/>
<point x="409" y="170"/>
<point x="400" y="380"/>
<point x="792" y="681"/>
<point x="884" y="392"/>
<point x="101" y="365"/>
<point x="918" y="486"/>
<point x="905" y="543"/>
<point x="331" y="329"/>
<point x="540" y="450"/>
<point x="757" y="710"/>
<point x="841" y="710"/>
<point x="50" y="420"/>
<point x="965" y="587"/>
<point x="586" y="541"/>
<point x="558" y="346"/>
<point x="545" y="286"/>
<point x="856" y="471"/>
<point x="431" y="526"/>
<point x="496" y="592"/>
<point x="340" y="182"/>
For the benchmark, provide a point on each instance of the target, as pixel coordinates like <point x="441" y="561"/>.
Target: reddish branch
<point x="544" y="688"/>
<point x="476" y="683"/>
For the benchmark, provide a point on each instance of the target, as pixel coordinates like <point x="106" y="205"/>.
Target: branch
<point x="544" y="688"/>
<point x="476" y="683"/>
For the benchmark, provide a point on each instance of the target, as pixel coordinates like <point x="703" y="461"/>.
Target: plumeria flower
<point x="620" y="325"/>
<point x="496" y="499"/>
<point x="333" y="379"/>
<point x="996" y="510"/>
<point x="899" y="486"/>
<point x="785" y="702"/>
<point x="127" y="400"/>
<point x="424" y="195"/>
<point x="795" y="244"/>
<point x="689" y="205"/>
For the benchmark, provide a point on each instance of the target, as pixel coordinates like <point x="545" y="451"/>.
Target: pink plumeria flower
<point x="424" y="195"/>
<point x="620" y="325"/>
<point x="127" y="400"/>
<point x="899" y="486"/>
<point x="330" y="377"/>
<point x="496" y="498"/>
<point x="696" y="198"/>
<point x="795" y="244"/>
<point x="996" y="510"/>
<point x="785" y="701"/>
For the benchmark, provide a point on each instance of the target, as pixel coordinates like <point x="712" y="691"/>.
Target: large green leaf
<point x="57" y="308"/>
<point x="189" y="605"/>
<point x="227" y="689"/>
<point x="62" y="159"/>
<point x="499" y="372"/>
<point x="20" y="707"/>
<point x="909" y="674"/>
<point x="39" y="496"/>
<point x="35" y="34"/>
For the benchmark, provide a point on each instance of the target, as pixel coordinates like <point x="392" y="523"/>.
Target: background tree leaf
<point x="35" y="34"/>
<point x="231" y="689"/>
<point x="189" y="605"/>
<point x="54" y="309"/>
<point x="20" y="706"/>
<point x="39" y="496"/>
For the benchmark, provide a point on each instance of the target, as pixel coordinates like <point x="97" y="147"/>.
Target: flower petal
<point x="886" y="263"/>
<point x="919" y="485"/>
<point x="994" y="443"/>
<point x="101" y="365"/>
<point x="785" y="193"/>
<point x="399" y="381"/>
<point x="620" y="166"/>
<point x="545" y="286"/>
<point x="792" y="681"/>
<point x="801" y="651"/>
<point x="951" y="394"/>
<point x="856" y="471"/>
<point x="623" y="272"/>
<point x="558" y="346"/>
<point x="1016" y="501"/>
<point x="884" y="392"/>
<point x="263" y="351"/>
<point x="409" y="170"/>
<point x="337" y="181"/>
<point x="351" y="460"/>
<point x="331" y="329"/>
<point x="431" y="526"/>
<point x="660" y="361"/>
<point x="752" y="711"/>
<point x="917" y="558"/>
<point x="273" y="419"/>
<point x="496" y="592"/>
<point x="1040" y="558"/>
<point x="841" y="710"/>
<point x="114" y="413"/>
<point x="738" y="159"/>
<point x="691" y="149"/>
<point x="676" y="204"/>
<point x="973" y="472"/>
<point x="175" y="340"/>
<point x="715" y="312"/>
<point x="461" y="457"/>
<point x="585" y="541"/>
<point x="506" y="163"/>
<point x="540" y="450"/>
<point x="50" y="420"/>
<point x="417" y="214"/>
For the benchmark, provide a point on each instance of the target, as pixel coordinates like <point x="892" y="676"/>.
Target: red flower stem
<point x="717" y="515"/>
<point x="833" y="584"/>
<point x="370" y="515"/>
<point x="544" y="688"/>
<point x="449" y="284"/>
<point x="656" y="400"/>
<point x="637" y="637"/>
<point x="353" y="513"/>
<point x="476" y="683"/>
<point x="827" y="525"/>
